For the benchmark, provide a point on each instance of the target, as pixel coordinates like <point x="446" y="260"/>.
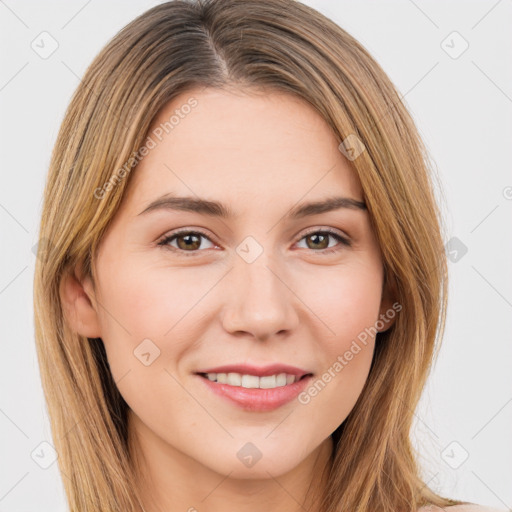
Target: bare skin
<point x="203" y="305"/>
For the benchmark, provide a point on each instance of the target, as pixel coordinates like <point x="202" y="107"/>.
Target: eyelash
<point x="165" y="241"/>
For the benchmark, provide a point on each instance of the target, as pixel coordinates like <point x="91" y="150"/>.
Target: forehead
<point x="231" y="145"/>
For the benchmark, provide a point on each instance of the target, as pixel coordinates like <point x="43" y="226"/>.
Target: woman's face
<point x="261" y="285"/>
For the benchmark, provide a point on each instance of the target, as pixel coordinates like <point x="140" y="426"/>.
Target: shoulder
<point x="466" y="507"/>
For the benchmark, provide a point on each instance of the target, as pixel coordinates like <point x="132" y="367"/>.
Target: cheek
<point x="149" y="321"/>
<point x="172" y="306"/>
<point x="346" y="300"/>
<point x="143" y="318"/>
<point x="148" y="302"/>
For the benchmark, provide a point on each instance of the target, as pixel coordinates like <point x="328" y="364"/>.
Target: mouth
<point x="249" y="381"/>
<point x="256" y="393"/>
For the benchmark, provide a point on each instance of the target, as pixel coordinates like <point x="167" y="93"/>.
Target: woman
<point x="244" y="277"/>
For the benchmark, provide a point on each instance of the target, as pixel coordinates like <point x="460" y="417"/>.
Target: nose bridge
<point x="258" y="300"/>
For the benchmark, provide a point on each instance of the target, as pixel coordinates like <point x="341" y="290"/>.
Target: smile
<point x="252" y="381"/>
<point x="253" y="393"/>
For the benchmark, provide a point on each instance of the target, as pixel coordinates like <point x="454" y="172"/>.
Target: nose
<point x="259" y="301"/>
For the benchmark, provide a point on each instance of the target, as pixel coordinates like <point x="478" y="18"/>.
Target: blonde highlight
<point x="256" y="45"/>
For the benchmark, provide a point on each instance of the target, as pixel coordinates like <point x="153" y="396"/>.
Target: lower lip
<point x="256" y="399"/>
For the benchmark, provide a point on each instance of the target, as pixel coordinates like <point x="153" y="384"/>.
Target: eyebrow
<point x="217" y="209"/>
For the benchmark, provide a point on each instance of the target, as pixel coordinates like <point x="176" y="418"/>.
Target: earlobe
<point x="387" y="316"/>
<point x="388" y="306"/>
<point x="79" y="305"/>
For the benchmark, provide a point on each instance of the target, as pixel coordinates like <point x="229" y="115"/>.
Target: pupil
<point x="188" y="242"/>
<point x="316" y="236"/>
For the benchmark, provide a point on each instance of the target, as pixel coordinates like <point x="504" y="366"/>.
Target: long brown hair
<point x="279" y="45"/>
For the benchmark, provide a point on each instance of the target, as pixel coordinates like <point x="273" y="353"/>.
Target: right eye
<point x="187" y="241"/>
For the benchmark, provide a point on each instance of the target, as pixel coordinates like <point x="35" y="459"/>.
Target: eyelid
<point x="332" y="231"/>
<point x="163" y="241"/>
<point x="344" y="239"/>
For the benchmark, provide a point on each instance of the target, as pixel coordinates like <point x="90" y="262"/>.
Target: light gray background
<point x="462" y="107"/>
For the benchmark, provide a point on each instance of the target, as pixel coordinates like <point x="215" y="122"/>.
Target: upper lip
<point x="259" y="371"/>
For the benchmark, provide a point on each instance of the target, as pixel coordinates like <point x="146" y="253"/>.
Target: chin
<point x="261" y="470"/>
<point x="254" y="459"/>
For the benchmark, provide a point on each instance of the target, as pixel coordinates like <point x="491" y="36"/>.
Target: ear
<point x="78" y="301"/>
<point x="389" y="307"/>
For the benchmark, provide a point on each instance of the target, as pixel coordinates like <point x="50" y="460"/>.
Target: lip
<point x="256" y="399"/>
<point x="259" y="371"/>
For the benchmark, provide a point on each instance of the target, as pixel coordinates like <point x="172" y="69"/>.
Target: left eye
<point x="320" y="237"/>
<point x="190" y="241"/>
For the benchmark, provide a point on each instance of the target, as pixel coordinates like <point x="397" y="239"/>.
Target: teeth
<point x="268" y="382"/>
<point x="281" y="379"/>
<point x="252" y="381"/>
<point x="234" y="379"/>
<point x="248" y="381"/>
